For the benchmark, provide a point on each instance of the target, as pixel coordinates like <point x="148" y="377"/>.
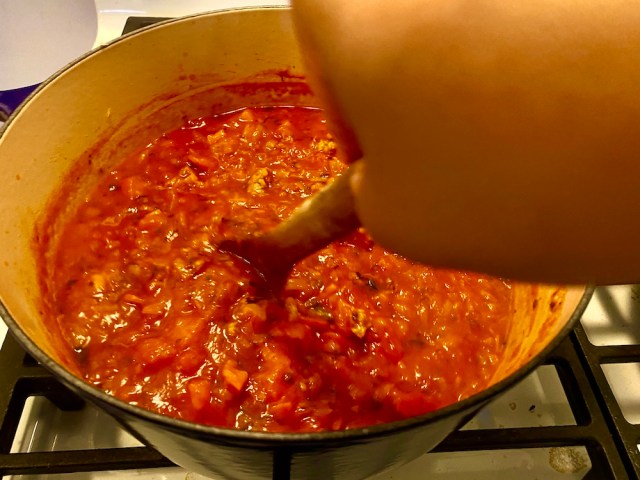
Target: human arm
<point x="497" y="136"/>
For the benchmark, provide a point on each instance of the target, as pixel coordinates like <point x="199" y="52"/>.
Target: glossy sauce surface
<point x="161" y="319"/>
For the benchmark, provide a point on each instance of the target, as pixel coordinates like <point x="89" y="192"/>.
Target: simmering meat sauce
<point x="159" y="318"/>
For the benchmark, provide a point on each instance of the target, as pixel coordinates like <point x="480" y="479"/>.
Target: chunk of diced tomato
<point x="412" y="404"/>
<point x="134" y="187"/>
<point x="200" y="392"/>
<point x="282" y="411"/>
<point x="156" y="352"/>
<point x="190" y="360"/>
<point x="233" y="375"/>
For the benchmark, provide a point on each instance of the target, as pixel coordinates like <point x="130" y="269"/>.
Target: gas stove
<point x="575" y="417"/>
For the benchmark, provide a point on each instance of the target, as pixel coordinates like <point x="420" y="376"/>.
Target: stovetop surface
<point x="561" y="422"/>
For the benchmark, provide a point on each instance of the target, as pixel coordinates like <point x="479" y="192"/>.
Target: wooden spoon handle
<point x="324" y="217"/>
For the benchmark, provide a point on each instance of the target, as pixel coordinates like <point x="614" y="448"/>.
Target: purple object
<point x="10" y="99"/>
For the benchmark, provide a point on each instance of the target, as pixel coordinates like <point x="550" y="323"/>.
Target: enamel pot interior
<point x="117" y="99"/>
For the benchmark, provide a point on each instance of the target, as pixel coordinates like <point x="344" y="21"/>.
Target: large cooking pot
<point x="117" y="99"/>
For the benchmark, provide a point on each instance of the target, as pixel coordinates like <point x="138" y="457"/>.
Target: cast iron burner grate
<point x="600" y="426"/>
<point x="610" y="440"/>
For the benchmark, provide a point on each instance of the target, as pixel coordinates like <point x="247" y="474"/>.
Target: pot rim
<point x="227" y="435"/>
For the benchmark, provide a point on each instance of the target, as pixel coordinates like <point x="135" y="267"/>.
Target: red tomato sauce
<point x="162" y="319"/>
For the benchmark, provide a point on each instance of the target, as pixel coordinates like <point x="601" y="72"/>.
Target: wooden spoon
<point x="326" y="216"/>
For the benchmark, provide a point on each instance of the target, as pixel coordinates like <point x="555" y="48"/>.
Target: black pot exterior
<point x="242" y="458"/>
